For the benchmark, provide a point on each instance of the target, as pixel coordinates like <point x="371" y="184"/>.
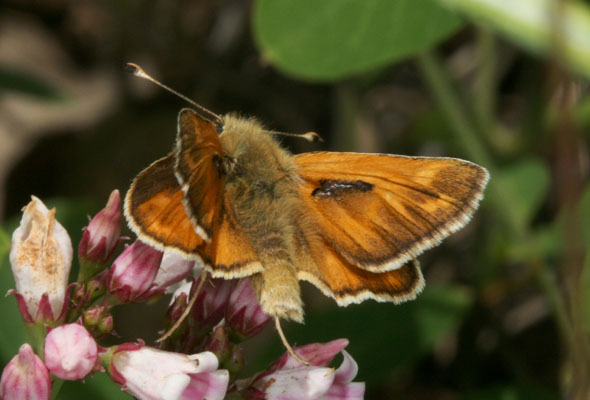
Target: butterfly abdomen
<point x="269" y="230"/>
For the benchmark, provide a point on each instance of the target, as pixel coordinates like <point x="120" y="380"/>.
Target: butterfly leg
<point x="187" y="310"/>
<point x="286" y="343"/>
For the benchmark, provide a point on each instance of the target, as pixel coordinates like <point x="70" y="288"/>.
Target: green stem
<point x="485" y="82"/>
<point x="37" y="334"/>
<point x="55" y="388"/>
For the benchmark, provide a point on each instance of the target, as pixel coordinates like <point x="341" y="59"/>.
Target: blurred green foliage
<point x="27" y="84"/>
<point x="333" y="39"/>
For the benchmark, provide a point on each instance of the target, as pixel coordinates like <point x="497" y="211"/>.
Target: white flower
<point x="151" y="374"/>
<point x="288" y="379"/>
<point x="41" y="257"/>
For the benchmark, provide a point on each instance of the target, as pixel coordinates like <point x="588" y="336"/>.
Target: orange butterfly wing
<point x="322" y="266"/>
<point x="378" y="212"/>
<point x="154" y="210"/>
<point x="198" y="171"/>
<point x="230" y="253"/>
<point x="158" y="207"/>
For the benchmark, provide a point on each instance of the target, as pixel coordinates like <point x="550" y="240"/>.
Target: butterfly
<point x="351" y="224"/>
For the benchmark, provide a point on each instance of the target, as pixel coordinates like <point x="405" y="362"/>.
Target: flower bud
<point x="218" y="343"/>
<point x="178" y="303"/>
<point x="235" y="362"/>
<point x="25" y="377"/>
<point x="98" y="320"/>
<point x="133" y="272"/>
<point x="41" y="257"/>
<point x="70" y="352"/>
<point x="244" y="315"/>
<point x="100" y="238"/>
<point x="211" y="302"/>
<point x="147" y="373"/>
<point x="105" y="325"/>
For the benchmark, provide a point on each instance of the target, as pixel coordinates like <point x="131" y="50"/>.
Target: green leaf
<point x="96" y="387"/>
<point x="542" y="26"/>
<point x="333" y="39"/>
<point x="12" y="333"/>
<point x="526" y="183"/>
<point x="544" y="242"/>
<point x="385" y="337"/>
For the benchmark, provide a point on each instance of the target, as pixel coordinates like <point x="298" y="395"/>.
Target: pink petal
<point x="207" y="385"/>
<point x="244" y="314"/>
<point x="347" y="370"/>
<point x="319" y="354"/>
<point x="173" y="269"/>
<point x="133" y="272"/>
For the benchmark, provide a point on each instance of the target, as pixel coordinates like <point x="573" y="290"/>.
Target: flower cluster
<point x="200" y="360"/>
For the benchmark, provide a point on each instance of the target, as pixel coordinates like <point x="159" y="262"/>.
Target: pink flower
<point x="102" y="235"/>
<point x="173" y="269"/>
<point x="151" y="374"/>
<point x="211" y="302"/>
<point x="132" y="274"/>
<point x="25" y="377"/>
<point x="70" y="352"/>
<point x="287" y="379"/>
<point x="244" y="315"/>
<point x="41" y="257"/>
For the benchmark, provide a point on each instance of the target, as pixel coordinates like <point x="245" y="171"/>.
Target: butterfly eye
<point x="219" y="127"/>
<point x="224" y="164"/>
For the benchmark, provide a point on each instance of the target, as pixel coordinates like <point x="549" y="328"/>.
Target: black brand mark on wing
<point x="330" y="188"/>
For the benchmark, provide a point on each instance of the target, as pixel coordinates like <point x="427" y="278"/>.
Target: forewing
<point x="379" y="211"/>
<point x="198" y="171"/>
<point x="230" y="253"/>
<point x="154" y="210"/>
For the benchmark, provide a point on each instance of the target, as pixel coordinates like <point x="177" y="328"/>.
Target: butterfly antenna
<point x="187" y="310"/>
<point x="140" y="73"/>
<point x="309" y="136"/>
<point x="286" y="344"/>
